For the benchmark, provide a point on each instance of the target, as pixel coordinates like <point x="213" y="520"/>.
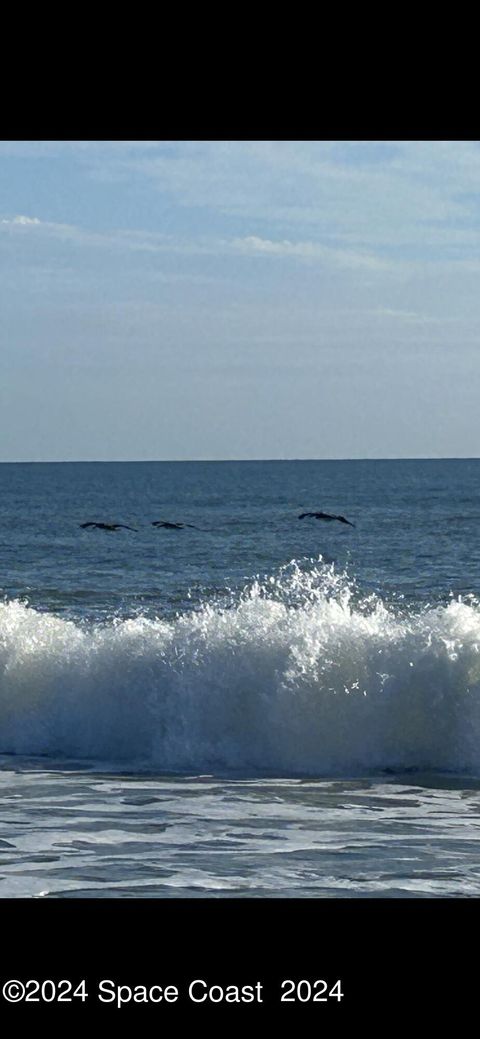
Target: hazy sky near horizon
<point x="173" y="300"/>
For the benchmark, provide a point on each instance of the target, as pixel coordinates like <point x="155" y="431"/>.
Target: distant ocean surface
<point x="254" y="705"/>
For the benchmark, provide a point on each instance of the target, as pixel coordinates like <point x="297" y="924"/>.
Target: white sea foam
<point x="296" y="675"/>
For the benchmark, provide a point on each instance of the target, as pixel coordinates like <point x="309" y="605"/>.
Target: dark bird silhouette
<point x="326" y="516"/>
<point x="107" y="526"/>
<point x="173" y="526"/>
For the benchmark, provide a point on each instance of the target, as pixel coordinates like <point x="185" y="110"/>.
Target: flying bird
<point x="326" y="516"/>
<point x="107" y="526"/>
<point x="173" y="526"/>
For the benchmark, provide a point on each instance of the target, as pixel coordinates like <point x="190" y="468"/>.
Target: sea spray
<point x="297" y="674"/>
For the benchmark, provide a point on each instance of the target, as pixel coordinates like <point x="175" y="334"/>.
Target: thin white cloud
<point x="145" y="241"/>
<point x="22" y="221"/>
<point x="253" y="244"/>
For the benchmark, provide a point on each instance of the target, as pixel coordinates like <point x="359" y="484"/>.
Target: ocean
<point x="251" y="705"/>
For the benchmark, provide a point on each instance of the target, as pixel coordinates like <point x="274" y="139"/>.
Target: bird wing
<point x="317" y="515"/>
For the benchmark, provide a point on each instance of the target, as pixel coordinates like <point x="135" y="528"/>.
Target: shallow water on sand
<point x="69" y="831"/>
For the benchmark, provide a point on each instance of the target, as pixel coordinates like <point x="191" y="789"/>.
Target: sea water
<point x="253" y="704"/>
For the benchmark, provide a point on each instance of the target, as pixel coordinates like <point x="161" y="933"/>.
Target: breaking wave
<point x="298" y="674"/>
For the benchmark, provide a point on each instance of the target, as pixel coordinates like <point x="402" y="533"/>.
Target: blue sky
<point x="172" y="300"/>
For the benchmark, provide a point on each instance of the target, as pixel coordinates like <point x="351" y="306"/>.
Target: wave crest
<point x="296" y="675"/>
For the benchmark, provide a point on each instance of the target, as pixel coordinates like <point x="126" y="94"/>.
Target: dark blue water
<point x="416" y="525"/>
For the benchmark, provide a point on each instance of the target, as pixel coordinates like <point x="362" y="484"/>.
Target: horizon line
<point x="210" y="461"/>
